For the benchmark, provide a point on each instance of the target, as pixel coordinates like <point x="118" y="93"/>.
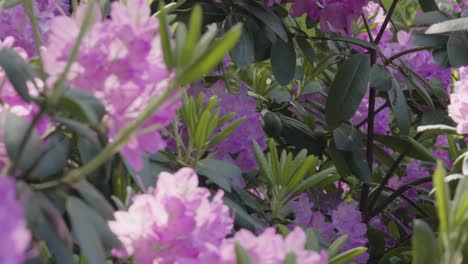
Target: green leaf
<point x="347" y="90"/>
<point x="428" y="5"/>
<point x="424" y="245"/>
<point x="399" y="107"/>
<point x="306" y="49"/>
<point x="10" y="3"/>
<point x="283" y="61"/>
<point x="54" y="159"/>
<point x="429" y="18"/>
<point x="150" y="172"/>
<point x="408" y="145"/>
<point x="266" y="16"/>
<point x="358" y="165"/>
<point x="457" y="48"/>
<point x="82" y="105"/>
<point x="335" y="248"/>
<point x="457" y="24"/>
<point x="442" y="197"/>
<point x="271" y="123"/>
<point x="165" y="37"/>
<point x="242" y="255"/>
<point x="210" y="58"/>
<point x="219" y="172"/>
<point x="85" y="232"/>
<point x="95" y="199"/>
<point x="347" y="256"/>
<point x="15" y="130"/>
<point x="347" y="137"/>
<point x="17" y="71"/>
<point x="306" y="167"/>
<point x="228" y="130"/>
<point x="314" y="180"/>
<point x="290" y="258"/>
<point x="243" y="218"/>
<point x="193" y="35"/>
<point x="380" y="78"/>
<point x="45" y="227"/>
<point x="243" y="52"/>
<point x="265" y="168"/>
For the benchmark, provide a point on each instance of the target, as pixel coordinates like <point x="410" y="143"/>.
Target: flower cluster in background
<point x="458" y="108"/>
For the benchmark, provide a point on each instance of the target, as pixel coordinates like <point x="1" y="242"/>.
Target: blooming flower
<point x="345" y="220"/>
<point x="124" y="59"/>
<point x="441" y="151"/>
<point x="237" y="147"/>
<point x="414" y="171"/>
<point x="375" y="15"/>
<point x="382" y="119"/>
<point x="334" y="15"/>
<point x="15" y="236"/>
<point x="172" y="223"/>
<point x="458" y="108"/>
<point x="268" y="247"/>
<point x="15" y="21"/>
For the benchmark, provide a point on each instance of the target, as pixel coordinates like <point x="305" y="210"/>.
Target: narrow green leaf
<point x="347" y="256"/>
<point x="211" y="57"/>
<point x="301" y="172"/>
<point x="408" y="145"/>
<point x="306" y="49"/>
<point x="442" y="197"/>
<point x="262" y="162"/>
<point x="399" y="107"/>
<point x="226" y="131"/>
<point x="242" y="255"/>
<point x="193" y="35"/>
<point x="335" y="248"/>
<point x="424" y="245"/>
<point x="290" y="258"/>
<point x="165" y="37"/>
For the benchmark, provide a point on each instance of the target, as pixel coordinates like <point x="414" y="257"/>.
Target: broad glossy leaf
<point x="457" y="24"/>
<point x="399" y="107"/>
<point x="306" y="49"/>
<point x="219" y="172"/>
<point x="347" y="137"/>
<point x="85" y="232"/>
<point x="55" y="157"/>
<point x="283" y="61"/>
<point x="457" y="48"/>
<point x="380" y="78"/>
<point x="347" y="90"/>
<point x="243" y="52"/>
<point x="17" y="71"/>
<point x="15" y="129"/>
<point x="428" y="5"/>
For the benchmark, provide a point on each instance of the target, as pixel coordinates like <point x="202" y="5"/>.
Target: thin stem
<point x="386" y="21"/>
<point x="38" y="42"/>
<point x="375" y="194"/>
<point x="398" y="192"/>
<point x="398" y="55"/>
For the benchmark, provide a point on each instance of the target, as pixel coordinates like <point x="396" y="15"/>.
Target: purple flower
<point x="382" y="119"/>
<point x="124" y="60"/>
<point x="414" y="171"/>
<point x="237" y="147"/>
<point x="15" y="22"/>
<point x="172" y="223"/>
<point x="458" y="108"/>
<point x="334" y="15"/>
<point x="441" y="150"/>
<point x="15" y="236"/>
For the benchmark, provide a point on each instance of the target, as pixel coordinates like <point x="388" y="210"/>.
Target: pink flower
<point x="124" y="60"/>
<point x="458" y="108"/>
<point x="173" y="223"/>
<point x="15" y="237"/>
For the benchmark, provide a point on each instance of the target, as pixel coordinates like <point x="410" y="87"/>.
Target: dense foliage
<point x="222" y="131"/>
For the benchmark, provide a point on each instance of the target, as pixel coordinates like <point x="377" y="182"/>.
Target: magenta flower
<point x="382" y="119"/>
<point x="172" y="223"/>
<point x="124" y="60"/>
<point x="15" y="237"/>
<point x="15" y="22"/>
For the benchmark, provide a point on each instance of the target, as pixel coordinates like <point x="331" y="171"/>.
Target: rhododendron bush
<point x="233" y="132"/>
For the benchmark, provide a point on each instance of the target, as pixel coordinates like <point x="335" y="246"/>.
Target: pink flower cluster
<point x="375" y="16"/>
<point x="174" y="222"/>
<point x="124" y="60"/>
<point x="15" y="22"/>
<point x="237" y="147"/>
<point x="14" y="235"/>
<point x="458" y="108"/>
<point x="345" y="220"/>
<point x="178" y="223"/>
